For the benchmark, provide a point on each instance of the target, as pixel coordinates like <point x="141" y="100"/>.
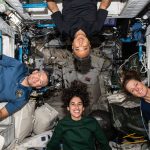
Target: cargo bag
<point x="45" y="117"/>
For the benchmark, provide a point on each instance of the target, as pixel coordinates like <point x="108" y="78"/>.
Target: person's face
<point x="136" y="88"/>
<point x="76" y="108"/>
<point x="37" y="79"/>
<point x="81" y="46"/>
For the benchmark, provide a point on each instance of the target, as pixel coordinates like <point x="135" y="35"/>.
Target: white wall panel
<point x="8" y="46"/>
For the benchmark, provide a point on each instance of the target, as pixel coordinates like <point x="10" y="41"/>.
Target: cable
<point x="127" y="60"/>
<point x="143" y="62"/>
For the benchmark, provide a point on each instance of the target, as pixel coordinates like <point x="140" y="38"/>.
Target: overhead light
<point x="35" y="7"/>
<point x="147" y="15"/>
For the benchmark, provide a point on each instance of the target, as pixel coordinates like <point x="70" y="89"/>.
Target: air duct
<point x="132" y="8"/>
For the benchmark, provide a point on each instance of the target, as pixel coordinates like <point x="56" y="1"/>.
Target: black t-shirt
<point x="79" y="14"/>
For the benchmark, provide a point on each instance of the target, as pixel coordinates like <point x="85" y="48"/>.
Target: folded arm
<point x="11" y="107"/>
<point x="105" y="4"/>
<point x="52" y="6"/>
<point x="101" y="138"/>
<point x="55" y="141"/>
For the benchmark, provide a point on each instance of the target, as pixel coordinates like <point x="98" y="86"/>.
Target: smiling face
<point x="81" y="46"/>
<point x="136" y="88"/>
<point x="76" y="108"/>
<point x="37" y="79"/>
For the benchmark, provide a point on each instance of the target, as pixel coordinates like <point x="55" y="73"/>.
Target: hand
<point x="3" y="113"/>
<point x="52" y="6"/>
<point x="105" y="4"/>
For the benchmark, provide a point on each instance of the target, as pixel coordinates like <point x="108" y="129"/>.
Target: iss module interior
<point x="29" y="34"/>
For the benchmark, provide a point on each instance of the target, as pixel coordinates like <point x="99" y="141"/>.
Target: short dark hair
<point x="47" y="72"/>
<point x="127" y="76"/>
<point x="77" y="89"/>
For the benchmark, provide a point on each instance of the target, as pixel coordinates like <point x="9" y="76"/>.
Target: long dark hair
<point x="77" y="89"/>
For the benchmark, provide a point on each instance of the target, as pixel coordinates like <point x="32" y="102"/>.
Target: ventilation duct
<point x="132" y="8"/>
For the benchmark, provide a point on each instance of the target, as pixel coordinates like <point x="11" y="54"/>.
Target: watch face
<point x="19" y="93"/>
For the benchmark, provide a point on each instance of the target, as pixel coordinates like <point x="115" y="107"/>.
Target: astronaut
<point x="16" y="84"/>
<point x="79" y="20"/>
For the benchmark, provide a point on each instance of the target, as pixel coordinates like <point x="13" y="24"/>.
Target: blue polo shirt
<point x="12" y="72"/>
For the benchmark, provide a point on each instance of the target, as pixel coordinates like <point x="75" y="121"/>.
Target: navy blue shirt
<point x="12" y="72"/>
<point x="145" y="106"/>
<point x="79" y="14"/>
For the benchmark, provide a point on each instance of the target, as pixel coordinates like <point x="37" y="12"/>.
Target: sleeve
<point x="57" y="17"/>
<point x="100" y="137"/>
<point x="9" y="61"/>
<point x="14" y="106"/>
<point x="100" y="19"/>
<point x="55" y="141"/>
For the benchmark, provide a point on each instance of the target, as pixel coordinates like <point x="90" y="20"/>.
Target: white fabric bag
<point x="24" y="119"/>
<point x="7" y="129"/>
<point x="45" y="117"/>
<point x="38" y="141"/>
<point x="2" y="141"/>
